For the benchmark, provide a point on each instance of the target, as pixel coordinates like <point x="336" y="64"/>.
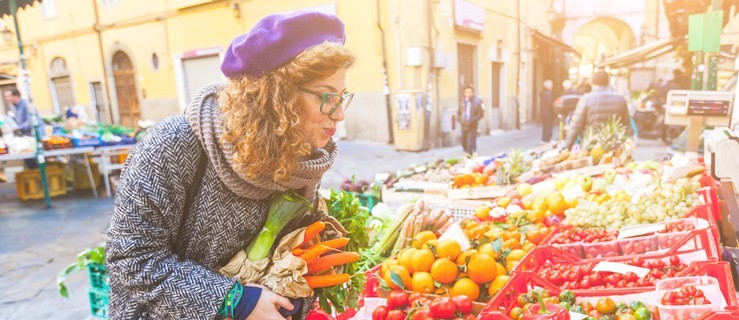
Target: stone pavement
<point x="36" y="243"/>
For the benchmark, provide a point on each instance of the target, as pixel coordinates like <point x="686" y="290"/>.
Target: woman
<point x="267" y="129"/>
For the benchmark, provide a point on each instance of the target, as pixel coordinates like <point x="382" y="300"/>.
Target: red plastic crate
<point x="499" y="307"/>
<point x="711" y="197"/>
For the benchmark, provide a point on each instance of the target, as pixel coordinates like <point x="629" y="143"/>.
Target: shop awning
<point x="640" y="54"/>
<point x="5" y="5"/>
<point x="553" y="42"/>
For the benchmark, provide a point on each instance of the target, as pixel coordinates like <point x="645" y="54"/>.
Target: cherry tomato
<point x="397" y="299"/>
<point x="442" y="308"/>
<point x="380" y="313"/>
<point x="395" y="315"/>
<point x="423" y="314"/>
<point x="463" y="304"/>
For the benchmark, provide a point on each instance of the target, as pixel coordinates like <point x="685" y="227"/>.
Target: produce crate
<point x="499" y="306"/>
<point x="28" y="183"/>
<point x="692" y="242"/>
<point x="98" y="276"/>
<point x="461" y="209"/>
<point x="366" y="200"/>
<point x="477" y="193"/>
<point x="99" y="302"/>
<point x="711" y="197"/>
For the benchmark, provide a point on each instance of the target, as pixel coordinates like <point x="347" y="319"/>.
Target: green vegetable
<point x="283" y="208"/>
<point x="94" y="255"/>
<point x="345" y="208"/>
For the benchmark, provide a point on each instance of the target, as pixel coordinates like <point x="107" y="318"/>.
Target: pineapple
<point x="511" y="167"/>
<point x="597" y="153"/>
<point x="609" y="136"/>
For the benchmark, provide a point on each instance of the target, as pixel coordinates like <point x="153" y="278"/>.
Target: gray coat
<point x="170" y="275"/>
<point x="595" y="108"/>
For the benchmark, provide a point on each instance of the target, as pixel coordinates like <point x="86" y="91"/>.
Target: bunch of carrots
<point x="322" y="256"/>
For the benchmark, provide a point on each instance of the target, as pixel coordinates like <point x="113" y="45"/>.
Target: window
<point x="49" y="8"/>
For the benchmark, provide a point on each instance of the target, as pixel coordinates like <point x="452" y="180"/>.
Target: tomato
<point x="413" y="297"/>
<point x="516" y="313"/>
<point x="627" y="317"/>
<point x="669" y="298"/>
<point x="395" y="315"/>
<point x="442" y="308"/>
<point x="380" y="313"/>
<point x="423" y="314"/>
<point x="642" y="314"/>
<point x="470" y="316"/>
<point x="636" y="305"/>
<point x="463" y="304"/>
<point x="525" y="298"/>
<point x="587" y="307"/>
<point x="674" y="261"/>
<point x="654" y="311"/>
<point x="397" y="299"/>
<point x="605" y="306"/>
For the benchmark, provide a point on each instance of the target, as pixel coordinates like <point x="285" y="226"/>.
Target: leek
<point x="283" y="208"/>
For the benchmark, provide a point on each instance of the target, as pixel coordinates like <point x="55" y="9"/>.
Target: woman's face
<point x="318" y="127"/>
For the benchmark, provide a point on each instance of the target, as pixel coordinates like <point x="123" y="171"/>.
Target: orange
<point x="515" y="235"/>
<point x="482" y="212"/>
<point x="510" y="265"/>
<point x="515" y="255"/>
<point x="422" y="282"/>
<point x="557" y="205"/>
<point x="503" y="202"/>
<point x="466" y="287"/>
<point x="497" y="284"/>
<point x="477" y="232"/>
<point x="488" y="250"/>
<point x="405" y="257"/>
<point x="528" y="246"/>
<point x="422" y="260"/>
<point x="386" y="266"/>
<point x="448" y="249"/>
<point x="534" y="236"/>
<point x="501" y="269"/>
<point x="536" y="216"/>
<point x="444" y="270"/>
<point x="482" y="268"/>
<point x="405" y="277"/>
<point x="462" y="258"/>
<point x="422" y="237"/>
<point x="512" y="244"/>
<point x="430" y="243"/>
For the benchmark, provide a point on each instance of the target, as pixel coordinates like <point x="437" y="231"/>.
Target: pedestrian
<point x="546" y="102"/>
<point x="20" y="111"/>
<point x="471" y="110"/>
<point x="596" y="108"/>
<point x="197" y="189"/>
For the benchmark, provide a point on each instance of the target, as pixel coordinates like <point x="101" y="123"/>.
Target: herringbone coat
<point x="144" y="248"/>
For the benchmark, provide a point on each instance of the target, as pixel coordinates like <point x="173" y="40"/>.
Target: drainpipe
<point x="97" y="28"/>
<point x="385" y="80"/>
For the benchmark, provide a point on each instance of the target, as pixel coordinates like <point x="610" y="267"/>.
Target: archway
<point x="602" y="38"/>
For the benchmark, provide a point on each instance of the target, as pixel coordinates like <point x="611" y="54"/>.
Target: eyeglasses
<point x="330" y="101"/>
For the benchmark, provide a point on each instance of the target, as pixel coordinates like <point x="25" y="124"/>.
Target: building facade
<point x="127" y="60"/>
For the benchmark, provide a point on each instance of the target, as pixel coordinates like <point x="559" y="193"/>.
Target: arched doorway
<point x="602" y="38"/>
<point x="125" y="88"/>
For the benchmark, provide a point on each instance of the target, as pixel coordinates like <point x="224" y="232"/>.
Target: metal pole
<point x="34" y="117"/>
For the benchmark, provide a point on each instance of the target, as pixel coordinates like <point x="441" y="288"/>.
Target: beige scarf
<point x="206" y="120"/>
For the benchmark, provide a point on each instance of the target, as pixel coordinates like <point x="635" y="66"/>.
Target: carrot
<point x="327" y="280"/>
<point x="312" y="255"/>
<point x="298" y="252"/>
<point x="329" y="261"/>
<point x="312" y="231"/>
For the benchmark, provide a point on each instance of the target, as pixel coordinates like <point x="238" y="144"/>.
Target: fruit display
<point x="56" y="142"/>
<point x="508" y="169"/>
<point x="604" y="309"/>
<point x="402" y="305"/>
<point x="412" y="221"/>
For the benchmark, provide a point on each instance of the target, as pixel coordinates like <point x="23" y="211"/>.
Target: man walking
<point x="597" y="107"/>
<point x="547" y="111"/>
<point x="470" y="112"/>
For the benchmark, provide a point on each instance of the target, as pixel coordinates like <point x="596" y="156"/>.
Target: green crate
<point x="367" y="200"/>
<point x="98" y="276"/>
<point x="99" y="302"/>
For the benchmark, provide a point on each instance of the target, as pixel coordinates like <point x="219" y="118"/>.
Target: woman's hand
<point x="268" y="306"/>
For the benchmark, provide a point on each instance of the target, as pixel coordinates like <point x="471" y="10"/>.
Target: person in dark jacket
<point x="597" y="107"/>
<point x="471" y="110"/>
<point x="547" y="111"/>
<point x="268" y="129"/>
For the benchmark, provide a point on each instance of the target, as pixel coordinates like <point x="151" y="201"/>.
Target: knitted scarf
<point x="207" y="122"/>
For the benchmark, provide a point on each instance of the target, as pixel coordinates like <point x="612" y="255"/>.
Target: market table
<point x="105" y="164"/>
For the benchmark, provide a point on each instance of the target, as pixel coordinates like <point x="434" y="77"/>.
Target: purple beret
<point x="278" y="38"/>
